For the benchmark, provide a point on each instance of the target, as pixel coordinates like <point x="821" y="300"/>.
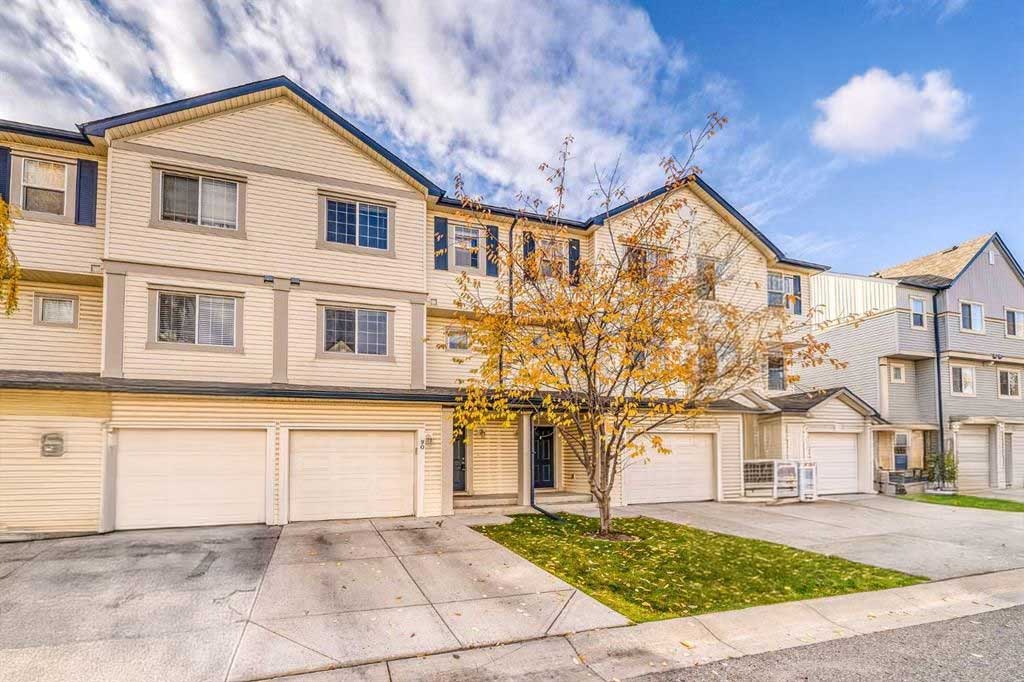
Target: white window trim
<point x="37" y="309"/>
<point x="321" y="335"/>
<point x="447" y="339"/>
<point x="1020" y="387"/>
<point x="481" y="241"/>
<point x="974" y="381"/>
<point x="153" y="340"/>
<point x="768" y="373"/>
<point x="544" y="255"/>
<point x="1020" y="328"/>
<point x="924" y="314"/>
<point x="960" y="312"/>
<point x="67" y="184"/>
<point x="789" y="298"/>
<point x="903" y="372"/>
<point x="907" y="435"/>
<point x="199" y="203"/>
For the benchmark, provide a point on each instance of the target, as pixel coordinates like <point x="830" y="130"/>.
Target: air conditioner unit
<point x="808" y="481"/>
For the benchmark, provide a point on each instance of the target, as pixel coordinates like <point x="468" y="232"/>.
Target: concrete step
<point x="476" y="502"/>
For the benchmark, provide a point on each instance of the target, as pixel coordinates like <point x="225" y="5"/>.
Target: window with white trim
<point x="1009" y="383"/>
<point x="962" y="380"/>
<point x="900" y="449"/>
<point x="359" y="331"/>
<point x="466" y="246"/>
<point x="554" y="257"/>
<point x="199" y="200"/>
<point x="972" y="317"/>
<point x="357" y="223"/>
<point x="56" y="310"/>
<point x="457" y="338"/>
<point x="197" y="319"/>
<point x="782" y="292"/>
<point x="898" y="373"/>
<point x="44" y="186"/>
<point x="1015" y="323"/>
<point x="707" y="278"/>
<point x="917" y="313"/>
<point x="776" y="373"/>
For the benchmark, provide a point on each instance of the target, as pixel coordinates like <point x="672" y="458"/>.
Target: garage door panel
<point x="351" y="474"/>
<point x="190" y="477"/>
<point x="836" y="457"/>
<point x="687" y="474"/>
<point x="973" y="458"/>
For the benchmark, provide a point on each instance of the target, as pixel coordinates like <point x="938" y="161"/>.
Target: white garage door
<point x="687" y="474"/>
<point x="350" y="474"/>
<point x="973" y="458"/>
<point x="836" y="457"/>
<point x="169" y="478"/>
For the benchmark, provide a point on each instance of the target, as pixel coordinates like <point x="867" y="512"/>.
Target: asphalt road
<point x="987" y="647"/>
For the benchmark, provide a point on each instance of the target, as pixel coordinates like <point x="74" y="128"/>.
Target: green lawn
<point x="968" y="501"/>
<point x="675" y="570"/>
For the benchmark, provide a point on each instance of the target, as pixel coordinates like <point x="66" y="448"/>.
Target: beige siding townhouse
<point x="233" y="311"/>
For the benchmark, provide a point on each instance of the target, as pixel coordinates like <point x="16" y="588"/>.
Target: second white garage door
<point x="973" y="471"/>
<point x="685" y="475"/>
<point x="190" y="477"/>
<point x="350" y="474"/>
<point x="836" y="457"/>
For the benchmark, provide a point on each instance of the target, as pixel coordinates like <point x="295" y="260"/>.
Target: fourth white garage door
<point x="973" y="458"/>
<point x="836" y="456"/>
<point x="687" y="474"/>
<point x="190" y="477"/>
<point x="350" y="474"/>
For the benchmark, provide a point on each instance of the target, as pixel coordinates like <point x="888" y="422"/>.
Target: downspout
<point x="940" y="465"/>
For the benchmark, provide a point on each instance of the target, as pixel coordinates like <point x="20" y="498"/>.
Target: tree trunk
<point x="604" y="505"/>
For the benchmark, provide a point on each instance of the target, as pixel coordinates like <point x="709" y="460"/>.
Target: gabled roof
<point x="804" y="402"/>
<point x="99" y="127"/>
<point x="940" y="269"/>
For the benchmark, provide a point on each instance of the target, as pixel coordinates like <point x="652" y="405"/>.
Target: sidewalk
<point x="624" y="652"/>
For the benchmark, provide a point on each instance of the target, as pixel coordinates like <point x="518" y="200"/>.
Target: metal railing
<point x="774" y="477"/>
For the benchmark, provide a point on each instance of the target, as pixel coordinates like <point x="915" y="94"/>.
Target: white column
<point x="525" y="440"/>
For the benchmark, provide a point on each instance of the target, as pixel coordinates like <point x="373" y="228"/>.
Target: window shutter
<point x="85" y="193"/>
<point x="528" y="248"/>
<point x="440" y="243"/>
<point x="492" y="251"/>
<point x="798" y="301"/>
<point x="574" y="260"/>
<point x="5" y="174"/>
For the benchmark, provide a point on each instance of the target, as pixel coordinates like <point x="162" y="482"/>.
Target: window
<point x="1009" y="383"/>
<point x="643" y="261"/>
<point x="972" y="317"/>
<point x="56" y="310"/>
<point x="196" y="319"/>
<point x="457" y="338"/>
<point x="43" y="186"/>
<point x="898" y="373"/>
<point x="900" y="448"/>
<point x="776" y="373"/>
<point x="707" y="274"/>
<point x="198" y="200"/>
<point x="1015" y="323"/>
<point x="356" y="223"/>
<point x="355" y="330"/>
<point x="554" y="256"/>
<point x="917" y="313"/>
<point x="784" y="292"/>
<point x="962" y="380"/>
<point x="466" y="247"/>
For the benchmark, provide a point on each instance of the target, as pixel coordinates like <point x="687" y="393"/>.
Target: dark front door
<point x="544" y="457"/>
<point x="459" y="464"/>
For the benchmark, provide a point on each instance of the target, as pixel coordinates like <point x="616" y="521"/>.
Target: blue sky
<point x="860" y="134"/>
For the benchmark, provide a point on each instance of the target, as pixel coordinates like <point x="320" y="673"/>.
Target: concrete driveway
<point x="922" y="539"/>
<point x="1012" y="494"/>
<point x="252" y="602"/>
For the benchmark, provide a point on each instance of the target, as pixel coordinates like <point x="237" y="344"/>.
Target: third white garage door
<point x="973" y="471"/>
<point x="350" y="474"/>
<point x="687" y="474"/>
<point x="836" y="457"/>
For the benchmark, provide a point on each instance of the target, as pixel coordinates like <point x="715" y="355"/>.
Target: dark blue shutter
<point x="85" y="193"/>
<point x="5" y="174"/>
<point x="574" y="260"/>
<point x="492" y="250"/>
<point x="798" y="302"/>
<point x="528" y="249"/>
<point x="440" y="243"/>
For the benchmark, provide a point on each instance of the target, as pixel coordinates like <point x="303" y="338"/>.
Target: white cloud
<point x="876" y="114"/>
<point x="483" y="87"/>
<point x="887" y="9"/>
